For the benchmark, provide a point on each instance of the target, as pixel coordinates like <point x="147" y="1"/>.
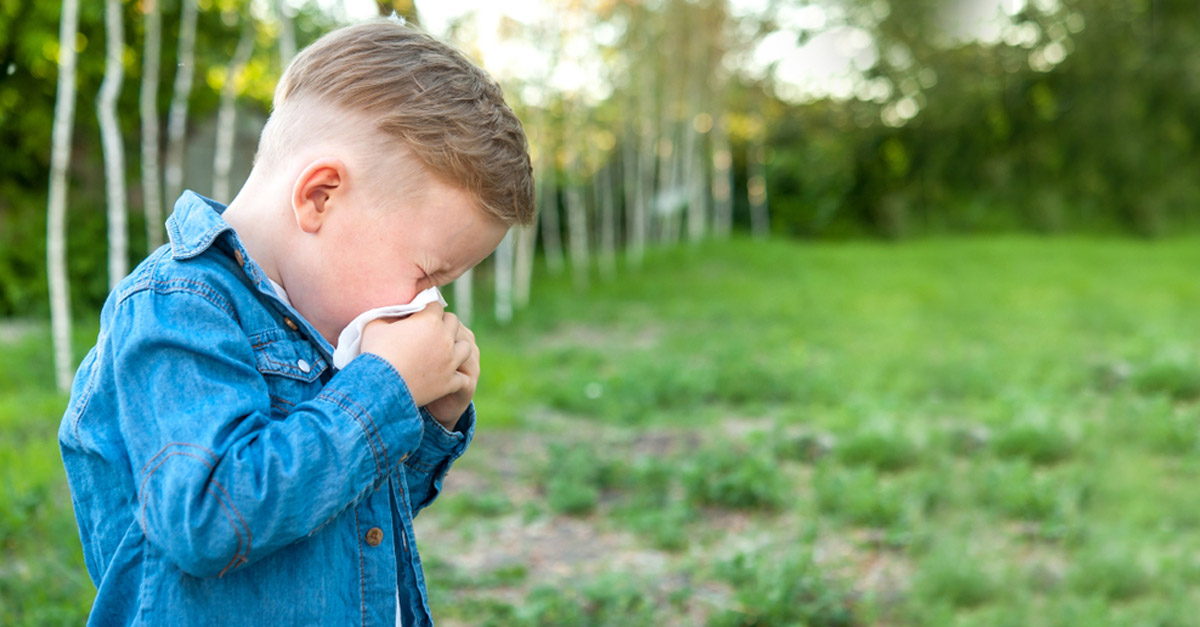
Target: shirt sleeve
<point x="220" y="483"/>
<point x="426" y="468"/>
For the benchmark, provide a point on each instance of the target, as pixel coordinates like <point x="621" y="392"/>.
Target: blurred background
<point x="837" y="312"/>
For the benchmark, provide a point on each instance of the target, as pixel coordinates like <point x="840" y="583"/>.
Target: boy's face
<point x="363" y="256"/>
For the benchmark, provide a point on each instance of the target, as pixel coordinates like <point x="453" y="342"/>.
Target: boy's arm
<point x="219" y="482"/>
<point x="427" y="466"/>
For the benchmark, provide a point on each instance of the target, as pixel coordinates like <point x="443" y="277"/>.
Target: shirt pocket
<point x="292" y="370"/>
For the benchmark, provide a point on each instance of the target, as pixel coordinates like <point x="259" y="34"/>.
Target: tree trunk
<point x="60" y="158"/>
<point x="503" y="259"/>
<point x="523" y="273"/>
<point x="635" y="235"/>
<point x="227" y="115"/>
<point x="462" y="296"/>
<point x="695" y="184"/>
<point x="577" y="226"/>
<point x="152" y="201"/>
<point x="608" y="221"/>
<point x="722" y="183"/>
<point x="287" y="34"/>
<point x="177" y="120"/>
<point x="551" y="228"/>
<point x="756" y="191"/>
<point x="114" y="149"/>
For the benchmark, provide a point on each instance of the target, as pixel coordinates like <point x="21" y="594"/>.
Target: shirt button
<point x="374" y="536"/>
<point x="303" y="366"/>
<point x="237" y="254"/>
<point x="291" y="325"/>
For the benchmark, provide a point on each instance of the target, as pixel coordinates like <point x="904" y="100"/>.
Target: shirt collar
<point x="195" y="225"/>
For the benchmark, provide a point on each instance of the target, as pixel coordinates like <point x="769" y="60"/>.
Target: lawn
<point x="946" y="432"/>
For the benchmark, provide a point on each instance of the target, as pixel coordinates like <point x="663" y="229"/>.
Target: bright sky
<point x="828" y="64"/>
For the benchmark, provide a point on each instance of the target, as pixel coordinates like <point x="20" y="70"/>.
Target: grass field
<point x="957" y="432"/>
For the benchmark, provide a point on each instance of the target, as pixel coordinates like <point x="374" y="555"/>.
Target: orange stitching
<point x="230" y="506"/>
<point x="329" y="395"/>
<point x="362" y="594"/>
<point x="219" y="502"/>
<point x="169" y="445"/>
<point x="382" y="444"/>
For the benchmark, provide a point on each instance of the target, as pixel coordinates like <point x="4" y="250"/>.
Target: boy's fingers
<point x="461" y="382"/>
<point x="462" y="353"/>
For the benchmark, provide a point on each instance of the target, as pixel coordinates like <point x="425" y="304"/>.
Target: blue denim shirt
<point x="223" y="472"/>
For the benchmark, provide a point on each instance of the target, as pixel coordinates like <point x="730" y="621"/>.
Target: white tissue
<point x="349" y="343"/>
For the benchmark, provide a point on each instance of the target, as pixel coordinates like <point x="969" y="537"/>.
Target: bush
<point x="735" y="479"/>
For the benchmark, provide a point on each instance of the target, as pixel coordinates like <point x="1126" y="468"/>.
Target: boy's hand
<point x="426" y="349"/>
<point x="448" y="409"/>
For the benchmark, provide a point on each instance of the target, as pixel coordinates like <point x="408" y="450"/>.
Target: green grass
<point x="1000" y="431"/>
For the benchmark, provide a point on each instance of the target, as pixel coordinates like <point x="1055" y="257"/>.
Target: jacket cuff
<point x="440" y="446"/>
<point x="378" y="399"/>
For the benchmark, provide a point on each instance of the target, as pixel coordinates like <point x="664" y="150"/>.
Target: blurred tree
<point x="114" y="149"/>
<point x="185" y="66"/>
<point x="152" y="200"/>
<point x="56" y="262"/>
<point x="227" y="114"/>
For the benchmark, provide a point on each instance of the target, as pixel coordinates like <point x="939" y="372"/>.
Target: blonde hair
<point x="421" y="93"/>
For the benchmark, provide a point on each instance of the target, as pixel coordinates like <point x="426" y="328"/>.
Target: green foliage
<point x="953" y="576"/>
<point x="1039" y="442"/>
<point x="787" y="589"/>
<point x="1178" y="381"/>
<point x="735" y="479"/>
<point x="857" y="496"/>
<point x="1111" y="571"/>
<point x="574" y="477"/>
<point x="884" y="449"/>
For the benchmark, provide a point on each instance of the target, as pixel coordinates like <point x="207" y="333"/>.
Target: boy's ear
<point x="321" y="185"/>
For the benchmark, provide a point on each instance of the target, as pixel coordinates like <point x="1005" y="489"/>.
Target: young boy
<point x="222" y="470"/>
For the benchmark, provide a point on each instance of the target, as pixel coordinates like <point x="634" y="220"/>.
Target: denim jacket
<point x="223" y="472"/>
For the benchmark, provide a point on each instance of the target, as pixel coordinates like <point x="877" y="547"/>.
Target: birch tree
<point x="110" y="136"/>
<point x="227" y="114"/>
<point x="722" y="182"/>
<point x="503" y="260"/>
<point x="523" y="266"/>
<point x="287" y="33"/>
<point x="463" y="301"/>
<point x="549" y="212"/>
<point x="756" y="191"/>
<point x="60" y="157"/>
<point x="151" y="175"/>
<point x="177" y="119"/>
<point x="606" y="205"/>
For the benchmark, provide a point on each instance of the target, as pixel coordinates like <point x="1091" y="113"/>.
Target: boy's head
<point x="390" y="164"/>
<point x="400" y="90"/>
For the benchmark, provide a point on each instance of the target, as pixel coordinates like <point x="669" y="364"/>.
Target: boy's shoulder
<point x="201" y="258"/>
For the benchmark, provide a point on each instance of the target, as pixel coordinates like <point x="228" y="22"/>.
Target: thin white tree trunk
<point x="608" y="222"/>
<point x="756" y="191"/>
<point x="722" y="183"/>
<point x="523" y="273"/>
<point x="151" y="175"/>
<point x="646" y="162"/>
<point x="114" y="150"/>
<point x="549" y="216"/>
<point x="287" y="33"/>
<point x="60" y="158"/>
<point x="227" y="114"/>
<point x="634" y="234"/>
<point x="503" y="259"/>
<point x="577" y="226"/>
<point x="462" y="296"/>
<point x="696" y="184"/>
<point x="177" y="120"/>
